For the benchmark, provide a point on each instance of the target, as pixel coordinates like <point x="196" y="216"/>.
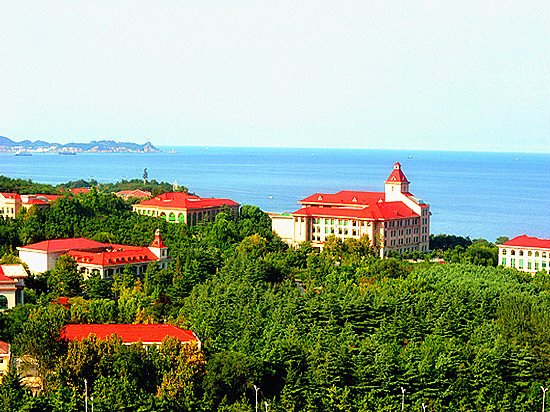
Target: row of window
<point x="520" y="253"/>
<point x="536" y="265"/>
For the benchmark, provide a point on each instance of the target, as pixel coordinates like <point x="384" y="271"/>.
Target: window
<point x="503" y="261"/>
<point x="528" y="264"/>
<point x="504" y="251"/>
<point x="520" y="264"/>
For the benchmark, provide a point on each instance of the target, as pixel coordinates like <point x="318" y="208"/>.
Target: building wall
<point x="9" y="208"/>
<point x="525" y="259"/>
<point x="9" y="293"/>
<point x="38" y="261"/>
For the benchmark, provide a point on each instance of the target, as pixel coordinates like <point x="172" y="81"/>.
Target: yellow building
<point x="394" y="220"/>
<point x="5" y="356"/>
<point x="179" y="207"/>
<point x="525" y="253"/>
<point x="12" y="203"/>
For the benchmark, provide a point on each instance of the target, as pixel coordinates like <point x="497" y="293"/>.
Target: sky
<point x="441" y="75"/>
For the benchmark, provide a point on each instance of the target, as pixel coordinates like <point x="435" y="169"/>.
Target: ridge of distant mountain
<point x="95" y="146"/>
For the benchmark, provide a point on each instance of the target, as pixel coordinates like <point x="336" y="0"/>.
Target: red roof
<point x="49" y="198"/>
<point x="345" y="197"/>
<point x="113" y="255"/>
<point x="4" y="348"/>
<point x="180" y="200"/>
<point x="35" y="201"/>
<point x="10" y="195"/>
<point x="134" y="193"/>
<point x="528" y="241"/>
<point x="397" y="175"/>
<point x="64" y="245"/>
<point x="151" y="333"/>
<point x="77" y="190"/>
<point x="4" y="278"/>
<point x="157" y="241"/>
<point x="375" y="211"/>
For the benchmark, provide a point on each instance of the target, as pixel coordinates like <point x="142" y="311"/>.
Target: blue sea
<point x="481" y="195"/>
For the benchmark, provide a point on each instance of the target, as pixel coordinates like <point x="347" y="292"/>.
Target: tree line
<point x="316" y="331"/>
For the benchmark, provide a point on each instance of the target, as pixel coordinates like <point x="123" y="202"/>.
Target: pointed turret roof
<point x="397" y="176"/>
<point x="157" y="242"/>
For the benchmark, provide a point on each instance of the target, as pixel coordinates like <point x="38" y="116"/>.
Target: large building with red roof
<point x="394" y="220"/>
<point x="147" y="334"/>
<point x="91" y="256"/>
<point x="180" y="207"/>
<point x="525" y="253"/>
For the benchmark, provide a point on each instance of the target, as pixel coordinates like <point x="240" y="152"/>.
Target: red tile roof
<point x="64" y="245"/>
<point x="397" y="175"/>
<point x="376" y="211"/>
<point x="4" y="348"/>
<point x="4" y="278"/>
<point x="114" y="255"/>
<point x="10" y="195"/>
<point x="345" y="197"/>
<point x="528" y="241"/>
<point x="180" y="200"/>
<point x="134" y="193"/>
<point x="49" y="198"/>
<point x="77" y="190"/>
<point x="151" y="333"/>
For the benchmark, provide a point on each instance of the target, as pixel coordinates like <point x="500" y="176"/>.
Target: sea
<point x="475" y="194"/>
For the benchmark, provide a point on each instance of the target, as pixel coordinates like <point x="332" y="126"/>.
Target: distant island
<point x="102" y="146"/>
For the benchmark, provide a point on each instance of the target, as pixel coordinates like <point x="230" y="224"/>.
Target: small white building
<point x="525" y="253"/>
<point x="11" y="285"/>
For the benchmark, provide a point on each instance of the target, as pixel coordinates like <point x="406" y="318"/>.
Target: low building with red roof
<point x="147" y="334"/>
<point x="525" y="253"/>
<point x="394" y="220"/>
<point x="134" y="194"/>
<point x="180" y="207"/>
<point x="11" y="204"/>
<point x="12" y="284"/>
<point x="91" y="256"/>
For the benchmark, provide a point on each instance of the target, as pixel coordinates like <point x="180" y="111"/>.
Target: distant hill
<point x="100" y="146"/>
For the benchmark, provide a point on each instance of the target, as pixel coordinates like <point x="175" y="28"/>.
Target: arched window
<point x="181" y="218"/>
<point x="3" y="302"/>
<point x="172" y="217"/>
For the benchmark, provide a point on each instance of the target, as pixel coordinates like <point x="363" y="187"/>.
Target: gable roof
<point x="180" y="200"/>
<point x="134" y="193"/>
<point x="114" y="255"/>
<point x="397" y="176"/>
<point x="345" y="197"/>
<point x="528" y="241"/>
<point x="149" y="333"/>
<point x="375" y="211"/>
<point x="64" y="245"/>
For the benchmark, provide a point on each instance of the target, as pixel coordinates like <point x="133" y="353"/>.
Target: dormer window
<point x="320" y="197"/>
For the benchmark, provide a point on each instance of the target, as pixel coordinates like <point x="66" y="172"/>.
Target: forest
<point x="337" y="330"/>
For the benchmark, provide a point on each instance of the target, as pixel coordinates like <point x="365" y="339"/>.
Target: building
<point x="394" y="220"/>
<point x="11" y="204"/>
<point x="134" y="194"/>
<point x="525" y="253"/>
<point x="5" y="357"/>
<point x="12" y="284"/>
<point x="148" y="335"/>
<point x="91" y="256"/>
<point x="180" y="207"/>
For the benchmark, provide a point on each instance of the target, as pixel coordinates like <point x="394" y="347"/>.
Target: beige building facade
<point x="525" y="253"/>
<point x="393" y="220"/>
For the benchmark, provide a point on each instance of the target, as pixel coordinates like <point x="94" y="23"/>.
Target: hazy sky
<point x="461" y="75"/>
